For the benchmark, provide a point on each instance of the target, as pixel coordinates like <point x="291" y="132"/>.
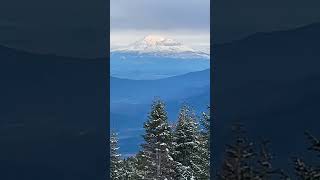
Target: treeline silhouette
<point x="245" y="160"/>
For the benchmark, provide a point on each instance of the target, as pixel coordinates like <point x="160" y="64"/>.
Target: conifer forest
<point x="181" y="151"/>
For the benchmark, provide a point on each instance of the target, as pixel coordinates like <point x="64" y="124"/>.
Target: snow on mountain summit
<point x="161" y="46"/>
<point x="152" y="40"/>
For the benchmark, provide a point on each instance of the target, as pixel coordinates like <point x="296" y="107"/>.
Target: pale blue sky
<point x="185" y="20"/>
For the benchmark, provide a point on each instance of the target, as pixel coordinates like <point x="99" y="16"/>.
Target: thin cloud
<point x="131" y="20"/>
<point x="164" y="14"/>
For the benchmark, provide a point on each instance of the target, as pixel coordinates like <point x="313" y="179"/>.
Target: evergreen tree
<point x="158" y="143"/>
<point x="237" y="163"/>
<point x="116" y="164"/>
<point x="242" y="163"/>
<point x="187" y="146"/>
<point x="136" y="167"/>
<point x="205" y="122"/>
<point x="264" y="169"/>
<point x="131" y="171"/>
<point x="205" y="144"/>
<point x="304" y="171"/>
<point x="128" y="168"/>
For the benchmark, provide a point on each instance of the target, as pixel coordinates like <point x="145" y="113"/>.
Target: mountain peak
<point x="161" y="46"/>
<point x="156" y="40"/>
<point x="153" y="39"/>
<point x="158" y="43"/>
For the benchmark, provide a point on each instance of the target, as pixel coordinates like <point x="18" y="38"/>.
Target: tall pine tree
<point x="116" y="164"/>
<point x="134" y="167"/>
<point x="158" y="143"/>
<point x="308" y="172"/>
<point x="243" y="163"/>
<point x="187" y="146"/>
<point x="130" y="171"/>
<point x="239" y="157"/>
<point x="205" y="144"/>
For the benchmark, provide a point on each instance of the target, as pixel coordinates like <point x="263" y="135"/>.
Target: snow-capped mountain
<point x="161" y="46"/>
<point x="156" y="57"/>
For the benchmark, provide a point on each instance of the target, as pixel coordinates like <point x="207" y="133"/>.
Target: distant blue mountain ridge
<point x="130" y="102"/>
<point x="148" y="67"/>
